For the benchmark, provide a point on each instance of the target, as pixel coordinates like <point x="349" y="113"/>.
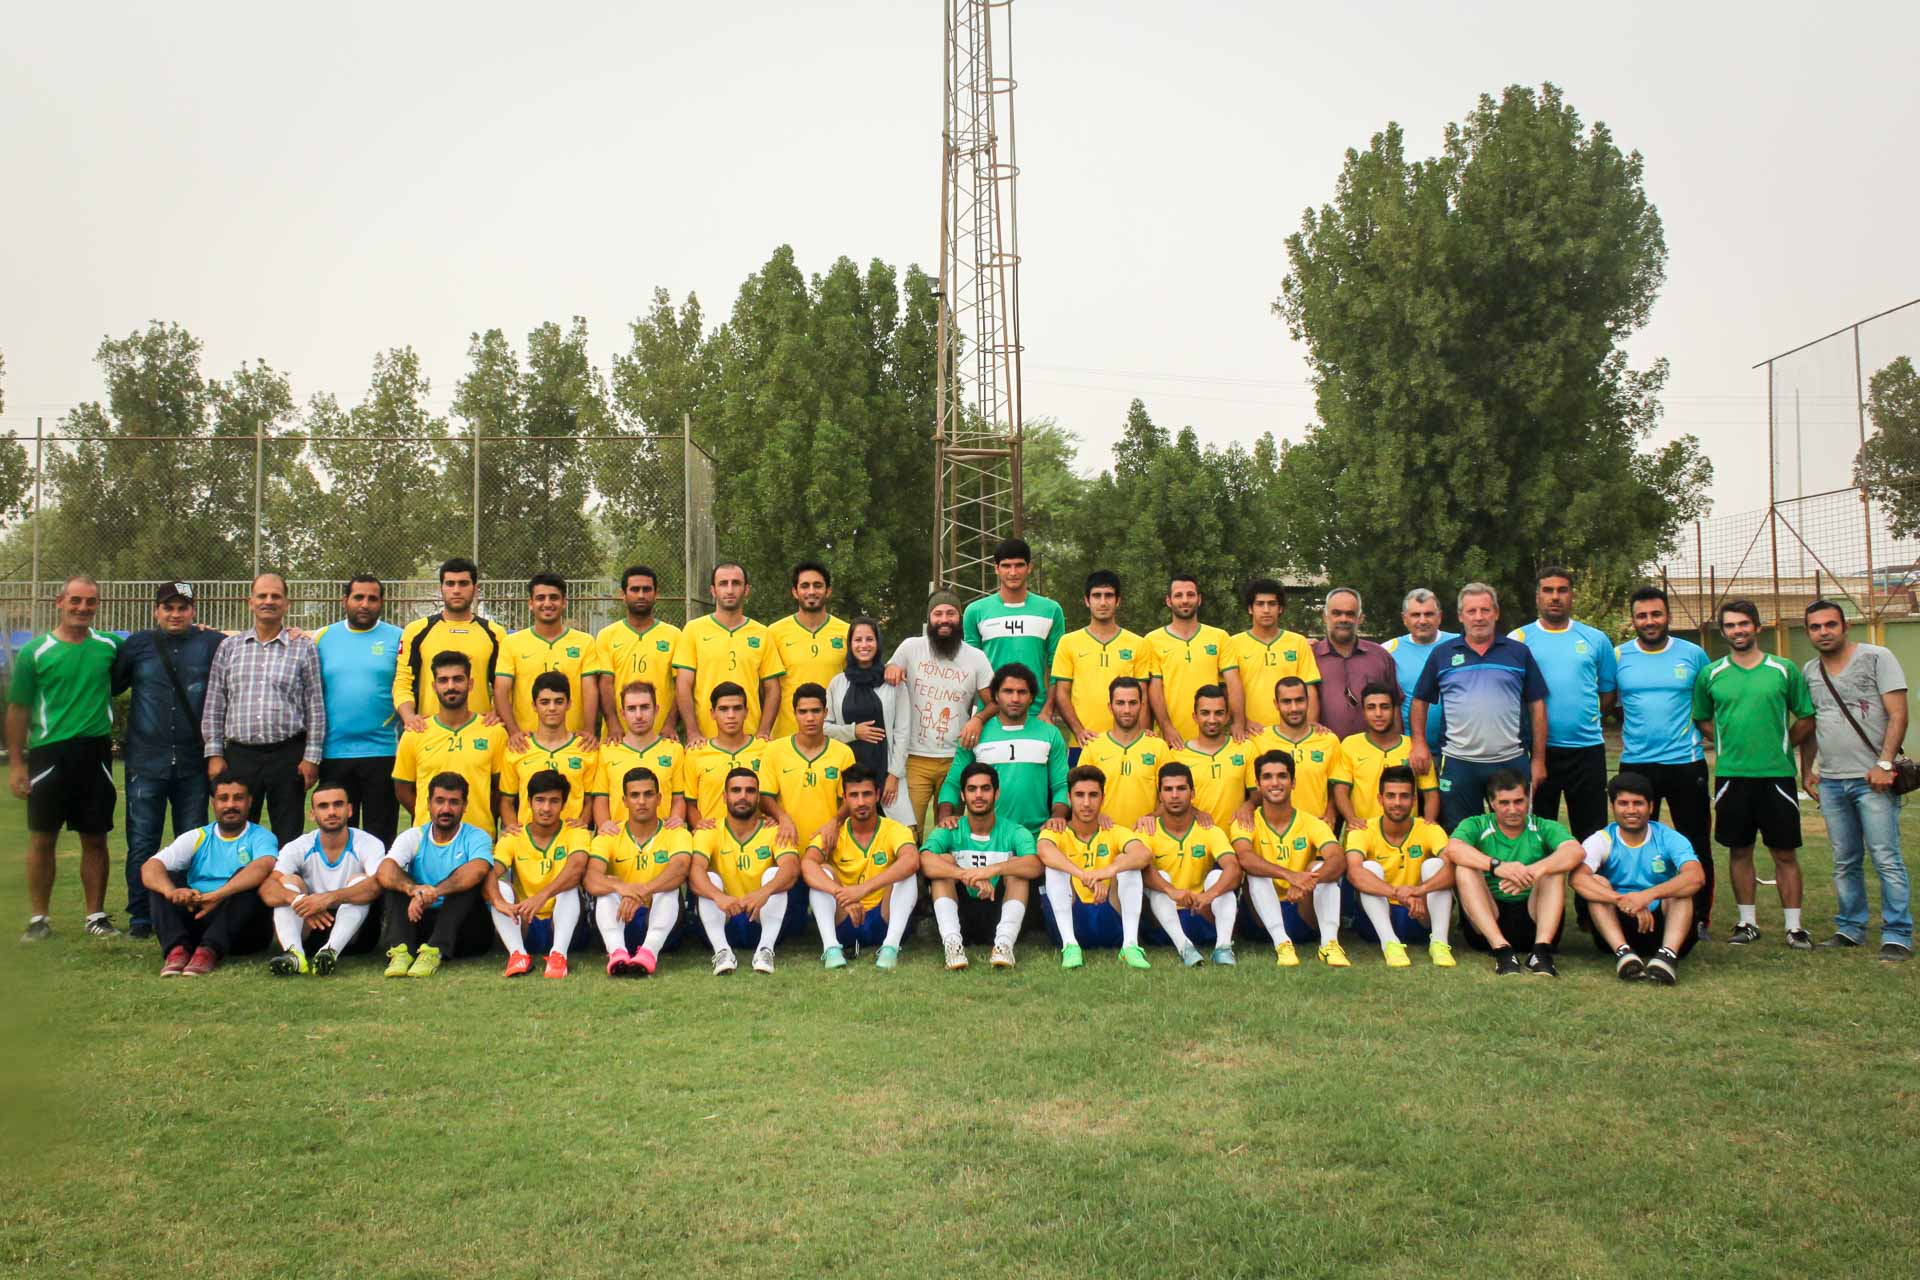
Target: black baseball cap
<point x="167" y="591"/>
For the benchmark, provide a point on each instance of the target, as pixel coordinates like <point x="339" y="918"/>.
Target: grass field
<point x="1759" y="1119"/>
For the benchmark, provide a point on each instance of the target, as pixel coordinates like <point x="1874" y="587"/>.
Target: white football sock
<point x="946" y="914"/>
<point x="1130" y="888"/>
<point x="1793" y="918"/>
<point x="1169" y="917"/>
<point x="1749" y="913"/>
<point x="1060" y="898"/>
<point x="1226" y="910"/>
<point x="289" y="928"/>
<point x="661" y="917"/>
<point x="900" y="900"/>
<point x="1326" y="909"/>
<point x="1012" y="915"/>
<point x="824" y="909"/>
<point x="347" y="920"/>
<point x="566" y="918"/>
<point x="506" y="926"/>
<point x="1439" y="903"/>
<point x="712" y="919"/>
<point x="772" y="916"/>
<point x="1264" y="893"/>
<point x="606" y="918"/>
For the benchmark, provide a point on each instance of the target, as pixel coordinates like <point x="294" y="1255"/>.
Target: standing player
<point x="202" y="887"/>
<point x="974" y="861"/>
<point x="1511" y="874"/>
<point x="1192" y="882"/>
<point x="1398" y="870"/>
<point x="1759" y="708"/>
<point x="548" y="645"/>
<point x="1128" y="757"/>
<point x="1420" y="614"/>
<point x="634" y="876"/>
<point x="1314" y="750"/>
<point x="810" y="643"/>
<point x="862" y="888"/>
<point x="456" y="627"/>
<point x="1638" y="879"/>
<point x="802" y="776"/>
<point x="546" y="861"/>
<point x="60" y="753"/>
<point x="455" y="740"/>
<point x="640" y="747"/>
<point x="638" y="647"/>
<point x="358" y="659"/>
<point x="323" y="880"/>
<point x="1265" y="651"/>
<point x="1012" y="625"/>
<point x="709" y="764"/>
<point x="1656" y="673"/>
<point x="1029" y="755"/>
<point x="1218" y="764"/>
<point x="1087" y="868"/>
<point x="1365" y="756"/>
<point x="726" y="647"/>
<point x="430" y="879"/>
<point x="552" y="747"/>
<point x="1577" y="662"/>
<point x="1188" y="656"/>
<point x="1293" y="865"/>
<point x="1087" y="662"/>
<point x="741" y="875"/>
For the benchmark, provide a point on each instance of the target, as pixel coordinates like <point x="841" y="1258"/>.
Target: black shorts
<point x="1764" y="808"/>
<point x="979" y="918"/>
<point x="1514" y="920"/>
<point x="72" y="786"/>
<point x="1643" y="944"/>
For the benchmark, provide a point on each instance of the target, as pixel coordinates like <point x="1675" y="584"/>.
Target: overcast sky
<point x="310" y="187"/>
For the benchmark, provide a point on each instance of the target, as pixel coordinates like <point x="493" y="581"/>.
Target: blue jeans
<point x="148" y="796"/>
<point x="1862" y="821"/>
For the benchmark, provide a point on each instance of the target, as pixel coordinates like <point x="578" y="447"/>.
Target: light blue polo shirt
<point x="1630" y="870"/>
<point x="427" y="861"/>
<point x="1577" y="664"/>
<point x="1656" y="697"/>
<point x="209" y="859"/>
<point x="356" y="672"/>
<point x="1409" y="660"/>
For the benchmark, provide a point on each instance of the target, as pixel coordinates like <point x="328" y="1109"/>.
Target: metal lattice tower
<point x="977" y="431"/>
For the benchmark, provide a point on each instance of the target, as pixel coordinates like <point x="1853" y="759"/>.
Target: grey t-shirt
<point x="1872" y="672"/>
<point x="941" y="694"/>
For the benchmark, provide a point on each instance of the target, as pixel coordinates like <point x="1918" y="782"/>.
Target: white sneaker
<point x="1003" y="955"/>
<point x="956" y="953"/>
<point x="723" y="962"/>
<point x="763" y="960"/>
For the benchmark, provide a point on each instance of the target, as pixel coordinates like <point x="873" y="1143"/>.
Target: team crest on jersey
<point x="839" y="642"/>
<point x="665" y="762"/>
<point x="1242" y="760"/>
<point x="1126" y="655"/>
<point x="1299" y="842"/>
<point x="1213" y="649"/>
<point x="880" y="859"/>
<point x="1579" y="646"/>
<point x="763" y="853"/>
<point x="753" y="642"/>
<point x="379" y="649"/>
<point x="833" y="771"/>
<point x="1680" y="671"/>
<point x="662" y="646"/>
<point x="573" y="763"/>
<point x="660" y="857"/>
<point x="1459" y="660"/>
<point x="573" y="651"/>
<point x="1659" y="864"/>
<point x="1146" y="757"/>
<point x="1293" y="655"/>
<point x="1319" y="757"/>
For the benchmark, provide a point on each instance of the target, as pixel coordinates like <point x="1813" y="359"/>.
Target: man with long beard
<point x="945" y="678"/>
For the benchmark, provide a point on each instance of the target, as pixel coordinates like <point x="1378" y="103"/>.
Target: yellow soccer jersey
<point x="1090" y="854"/>
<point x="1296" y="847"/>
<point x="1316" y="758"/>
<point x="809" y="789"/>
<point x="631" y="862"/>
<point x="854" y="862"/>
<point x="1133" y="774"/>
<point x="1092" y="666"/>
<point x="580" y="768"/>
<point x="1219" y="777"/>
<point x="475" y="751"/>
<point x="630" y="655"/>
<point x="1186" y="860"/>
<point x="1262" y="665"/>
<point x="1187" y="665"/>
<point x="527" y="654"/>
<point x="809" y="657"/>
<point x="483" y="640"/>
<point x="739" y="863"/>
<point x="745" y="655"/>
<point x="533" y="867"/>
<point x="704" y="773"/>
<point x="664" y="756"/>
<point x="1400" y="864"/>
<point x="1362" y="763"/>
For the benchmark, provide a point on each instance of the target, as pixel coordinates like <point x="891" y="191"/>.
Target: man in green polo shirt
<point x="60" y="751"/>
<point x="1511" y="877"/>
<point x="1755" y="708"/>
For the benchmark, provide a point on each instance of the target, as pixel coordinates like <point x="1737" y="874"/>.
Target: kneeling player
<point x="1515" y="897"/>
<point x="862" y="892"/>
<point x="1195" y="873"/>
<point x="1397" y="867"/>
<point x="545" y="861"/>
<point x="1638" y="879"/>
<point x="323" y="880"/>
<point x="978" y="858"/>
<point x="430" y="883"/>
<point x="741" y="873"/>
<point x="1087" y="869"/>
<point x="1293" y="866"/>
<point x="634" y="876"/>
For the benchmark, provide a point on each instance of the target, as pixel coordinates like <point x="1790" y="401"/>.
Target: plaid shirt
<point x="260" y="693"/>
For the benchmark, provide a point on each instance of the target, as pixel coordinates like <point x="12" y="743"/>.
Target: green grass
<point x="1758" y="1119"/>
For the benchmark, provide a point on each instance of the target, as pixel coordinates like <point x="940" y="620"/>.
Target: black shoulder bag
<point x="1906" y="773"/>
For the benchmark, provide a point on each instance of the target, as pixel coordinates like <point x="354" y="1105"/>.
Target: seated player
<point x="640" y="747"/>
<point x="323" y="880"/>
<point x="430" y="884"/>
<point x="1312" y="748"/>
<point x="1638" y="879"/>
<point x="203" y="886"/>
<point x="730" y="747"/>
<point x="1193" y="882"/>
<point x="1293" y="866"/>
<point x="1088" y="868"/>
<point x="863" y="889"/>
<point x="741" y="873"/>
<point x="1516" y="896"/>
<point x="1363" y="757"/>
<point x="1397" y="867"/>
<point x="801" y="774"/>
<point x="1217" y="762"/>
<point x="545" y="862"/>
<point x="968" y="865"/>
<point x="1127" y="754"/>
<point x="634" y="876"/>
<point x="551" y="746"/>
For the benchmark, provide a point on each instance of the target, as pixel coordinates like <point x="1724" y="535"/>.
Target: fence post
<point x="476" y="491"/>
<point x="686" y="511"/>
<point x="1773" y="528"/>
<point x="33" y="594"/>
<point x="1866" y="498"/>
<point x="1699" y="563"/>
<point x="259" y="487"/>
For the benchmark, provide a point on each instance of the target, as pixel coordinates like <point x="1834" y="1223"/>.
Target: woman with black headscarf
<point x="862" y="710"/>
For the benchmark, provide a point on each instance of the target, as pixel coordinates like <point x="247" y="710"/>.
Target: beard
<point x="944" y="640"/>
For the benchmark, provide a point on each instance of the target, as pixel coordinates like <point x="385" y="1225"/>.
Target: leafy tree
<point x="16" y="472"/>
<point x="1889" y="462"/>
<point x="657" y="384"/>
<point x="1464" y="317"/>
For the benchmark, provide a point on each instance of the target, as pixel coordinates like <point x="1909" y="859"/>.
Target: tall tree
<point x="1464" y="318"/>
<point x="1889" y="463"/>
<point x="16" y="472"/>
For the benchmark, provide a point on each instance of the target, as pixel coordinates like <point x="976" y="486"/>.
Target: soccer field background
<point x="1758" y="1119"/>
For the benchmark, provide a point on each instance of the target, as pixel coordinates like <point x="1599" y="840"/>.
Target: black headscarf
<point x="862" y="699"/>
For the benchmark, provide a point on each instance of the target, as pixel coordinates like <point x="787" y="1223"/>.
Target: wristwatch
<point x="1885" y="765"/>
<point x="1492" y="865"/>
